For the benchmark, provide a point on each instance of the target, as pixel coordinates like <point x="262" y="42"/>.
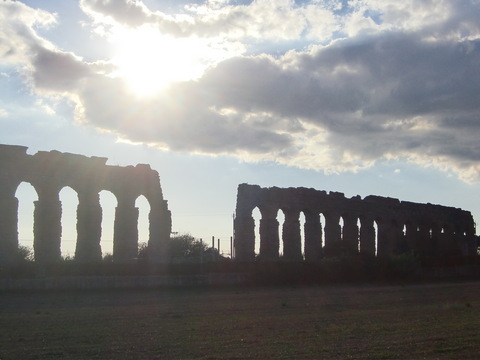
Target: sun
<point x="150" y="61"/>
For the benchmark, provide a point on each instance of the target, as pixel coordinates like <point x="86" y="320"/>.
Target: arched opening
<point x="302" y="233"/>
<point x="359" y="225"/>
<point x="256" y="218"/>
<point x="26" y="196"/>
<point x="322" y="226"/>
<point x="341" y="223"/>
<point x="281" y="220"/>
<point x="69" y="200"/>
<point x="143" y="224"/>
<point x="108" y="203"/>
<point x="375" y="227"/>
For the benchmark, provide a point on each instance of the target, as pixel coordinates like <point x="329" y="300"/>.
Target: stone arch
<point x="68" y="235"/>
<point x="280" y="217"/>
<point x="302" y="221"/>
<point x="376" y="230"/>
<point x="323" y="222"/>
<point x="257" y="216"/>
<point x="143" y="223"/>
<point x="108" y="203"/>
<point x="341" y="224"/>
<point x="387" y="225"/>
<point x="49" y="172"/>
<point x="26" y="196"/>
<point x="359" y="224"/>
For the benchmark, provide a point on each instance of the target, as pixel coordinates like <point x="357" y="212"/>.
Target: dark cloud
<point x="57" y="71"/>
<point x="387" y="96"/>
<point x="179" y="120"/>
<point x="394" y="94"/>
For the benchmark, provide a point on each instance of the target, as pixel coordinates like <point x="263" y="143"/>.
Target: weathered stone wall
<point x="48" y="173"/>
<point x="426" y="229"/>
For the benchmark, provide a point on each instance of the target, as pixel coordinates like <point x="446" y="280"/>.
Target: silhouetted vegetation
<point x="190" y="256"/>
<point x="184" y="248"/>
<point x="25" y="254"/>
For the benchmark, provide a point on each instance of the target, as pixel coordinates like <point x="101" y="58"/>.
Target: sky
<point x="367" y="97"/>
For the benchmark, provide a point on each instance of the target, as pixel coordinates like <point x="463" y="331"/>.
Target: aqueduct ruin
<point x="373" y="225"/>
<point x="48" y="173"/>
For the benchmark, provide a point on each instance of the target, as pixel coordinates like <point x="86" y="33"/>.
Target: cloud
<point x="399" y="80"/>
<point x="260" y="19"/>
<point x="17" y="22"/>
<point x="180" y="119"/>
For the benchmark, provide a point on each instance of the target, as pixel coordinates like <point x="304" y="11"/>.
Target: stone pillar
<point x="411" y="238"/>
<point x="8" y="228"/>
<point x="424" y="241"/>
<point x="471" y="240"/>
<point x="333" y="232"/>
<point x="269" y="239"/>
<point x="89" y="227"/>
<point x="12" y="164"/>
<point x="244" y="227"/>
<point x="160" y="227"/>
<point x="389" y="238"/>
<point x="383" y="238"/>
<point x="125" y="232"/>
<point x="47" y="228"/>
<point x="292" y="239"/>
<point x="472" y="245"/>
<point x="350" y="234"/>
<point x="313" y="236"/>
<point x="367" y="236"/>
<point x="461" y="244"/>
<point x="448" y="243"/>
<point x="435" y="239"/>
<point x="397" y="243"/>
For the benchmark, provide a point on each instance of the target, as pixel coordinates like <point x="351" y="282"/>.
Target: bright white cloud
<point x="372" y="80"/>
<point x="260" y="19"/>
<point x="18" y="37"/>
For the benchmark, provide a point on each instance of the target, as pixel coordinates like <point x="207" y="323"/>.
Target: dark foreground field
<point x="434" y="321"/>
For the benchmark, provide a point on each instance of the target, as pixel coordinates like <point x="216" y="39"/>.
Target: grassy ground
<point x="433" y="321"/>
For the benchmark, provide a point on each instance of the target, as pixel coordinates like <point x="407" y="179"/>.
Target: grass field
<point x="428" y="321"/>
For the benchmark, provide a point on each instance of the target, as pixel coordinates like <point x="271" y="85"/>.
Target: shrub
<point x="25" y="254"/>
